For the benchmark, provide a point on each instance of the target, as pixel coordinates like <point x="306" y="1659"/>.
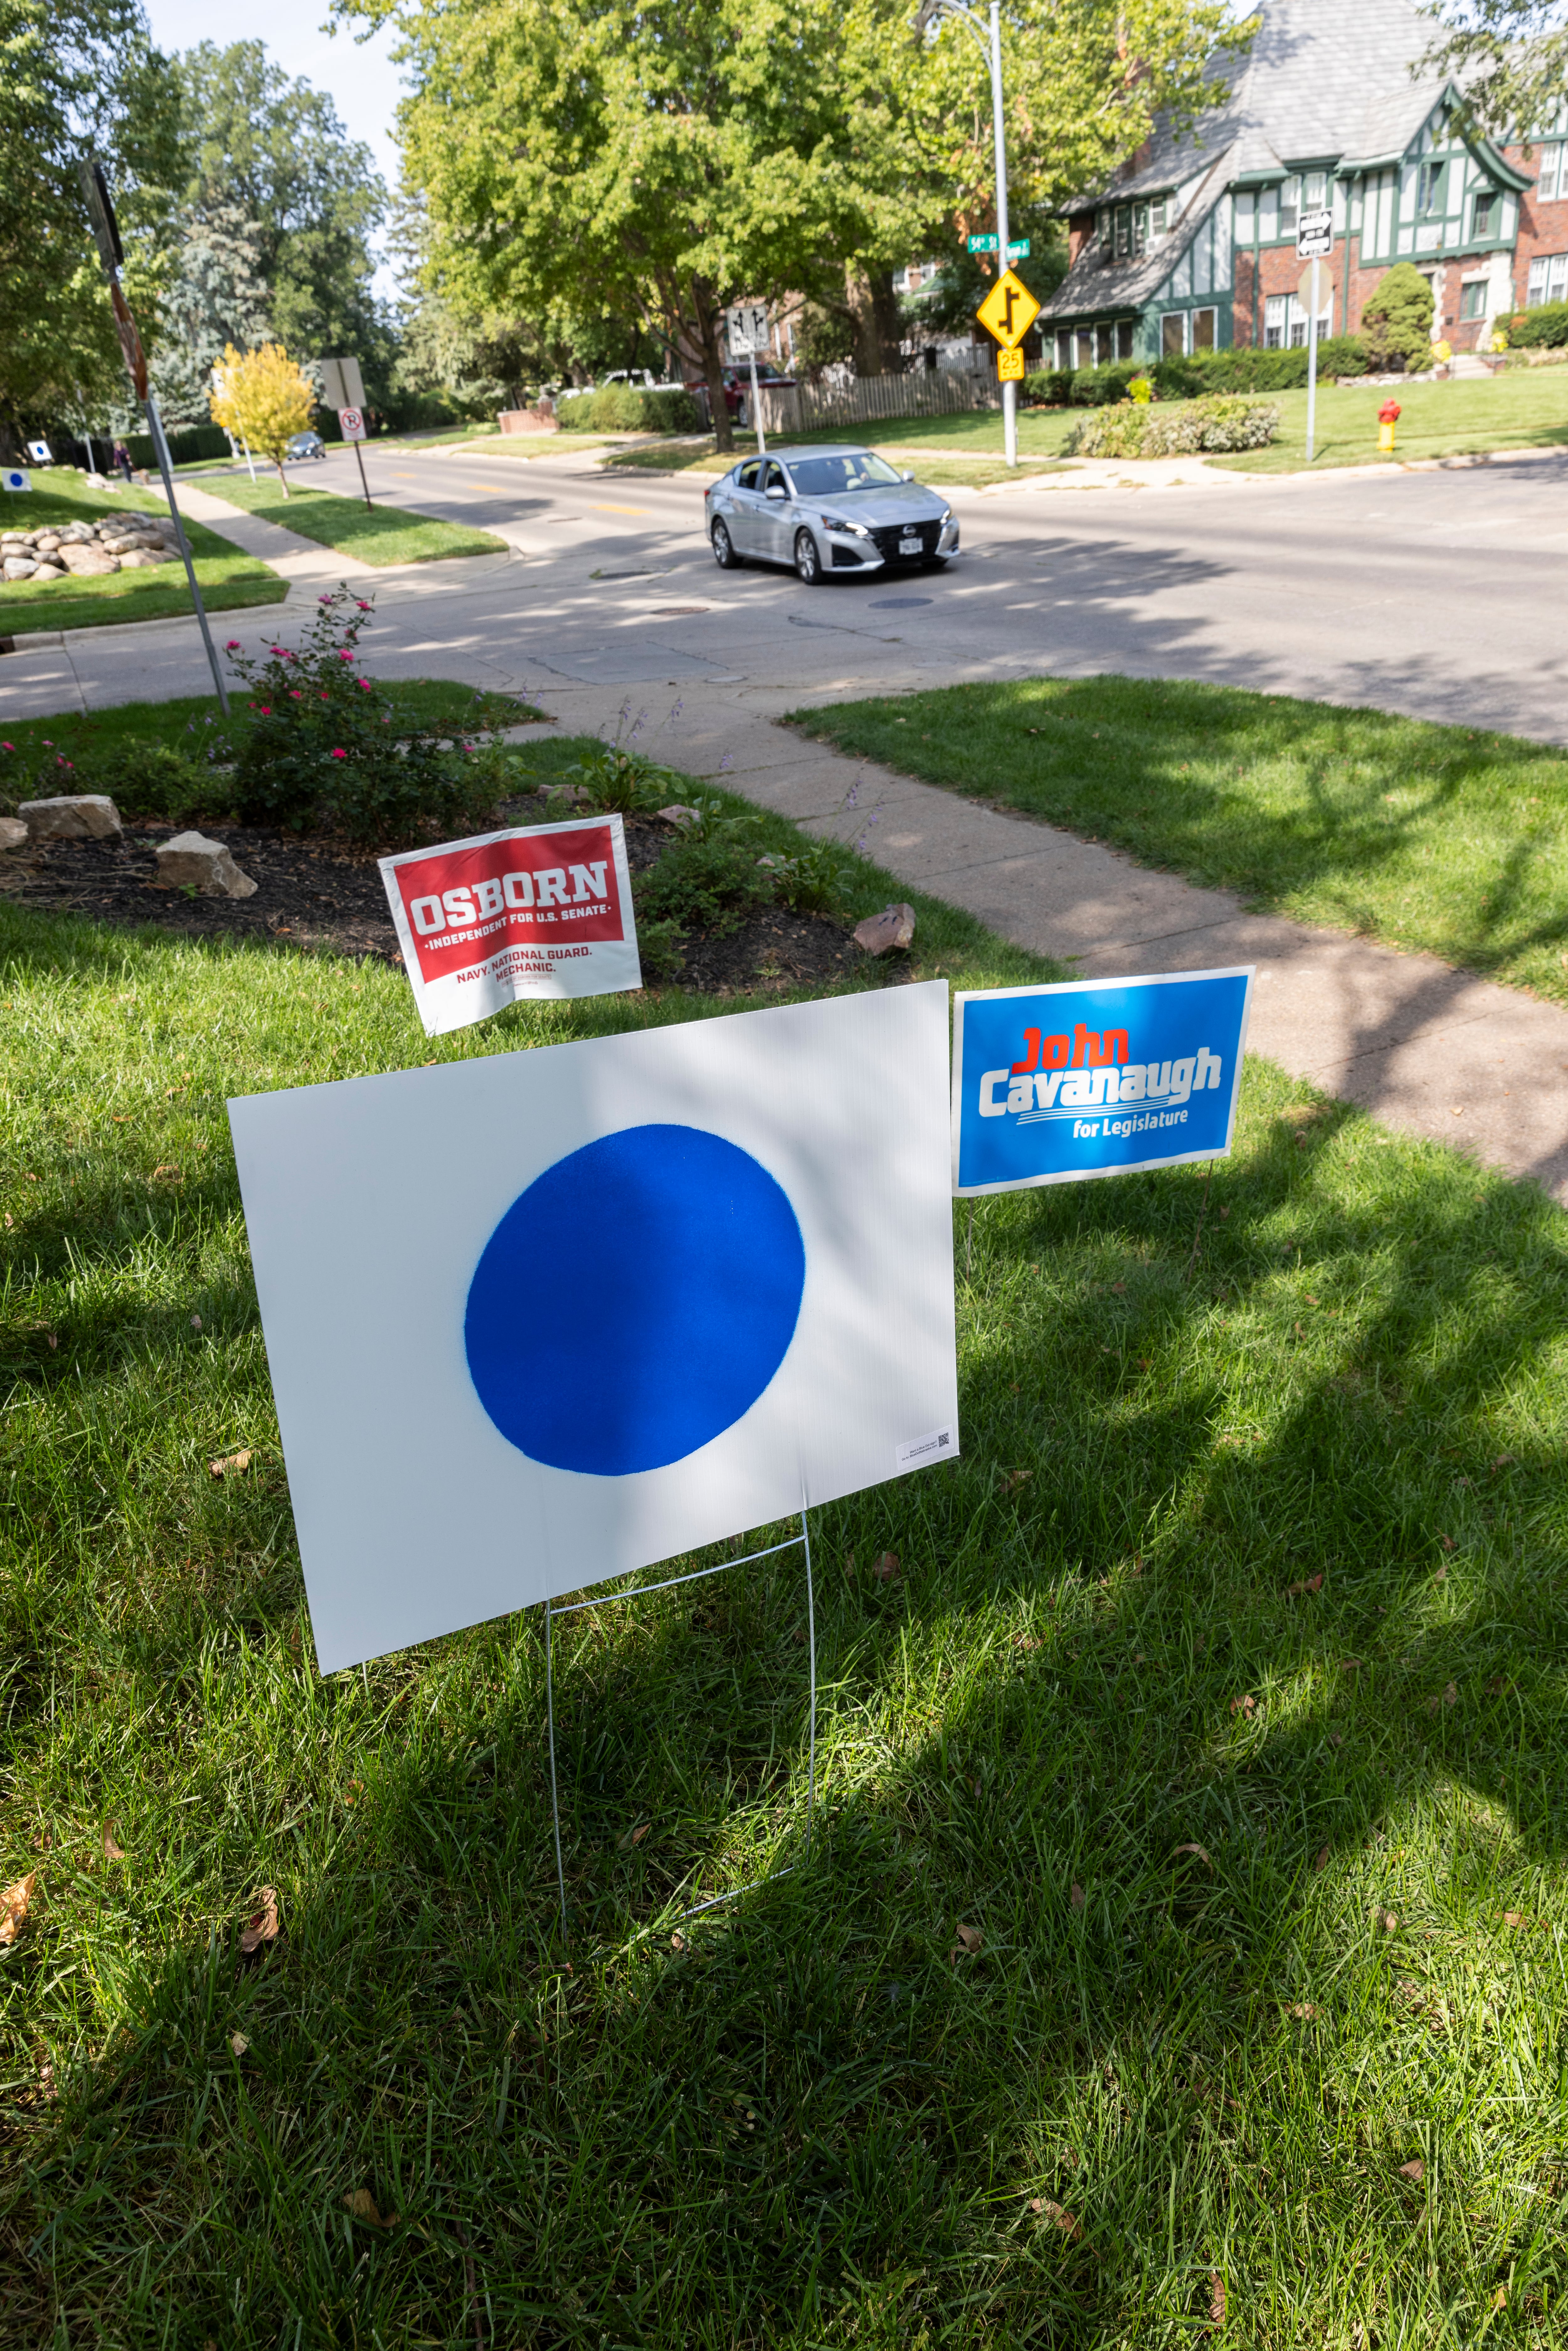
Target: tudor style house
<point x="1192" y="244"/>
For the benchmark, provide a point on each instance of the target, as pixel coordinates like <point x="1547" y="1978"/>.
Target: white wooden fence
<point x="806" y="408"/>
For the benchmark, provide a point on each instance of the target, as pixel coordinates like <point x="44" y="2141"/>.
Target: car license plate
<point x="910" y="546"/>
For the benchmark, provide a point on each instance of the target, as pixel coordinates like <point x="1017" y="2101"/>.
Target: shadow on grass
<point x="823" y="2118"/>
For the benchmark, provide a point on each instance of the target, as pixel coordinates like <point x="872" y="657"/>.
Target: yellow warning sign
<point x="1009" y="366"/>
<point x="1008" y="310"/>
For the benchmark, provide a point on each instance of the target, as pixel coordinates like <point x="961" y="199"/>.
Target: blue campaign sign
<point x="1097" y="1076"/>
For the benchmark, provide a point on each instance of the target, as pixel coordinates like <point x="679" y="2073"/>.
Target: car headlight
<point x="852" y="529"/>
<point x="946" y="514"/>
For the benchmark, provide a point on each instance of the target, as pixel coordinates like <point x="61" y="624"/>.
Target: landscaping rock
<point x="138" y="560"/>
<point x="75" y="816"/>
<point x="678" y="816"/>
<point x="18" y="566"/>
<point x="191" y="857"/>
<point x="13" y="832"/>
<point x="88" y="562"/>
<point x="881" y="934"/>
<point x="47" y="572"/>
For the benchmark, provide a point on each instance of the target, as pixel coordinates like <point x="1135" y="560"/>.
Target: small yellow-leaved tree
<point x="263" y="397"/>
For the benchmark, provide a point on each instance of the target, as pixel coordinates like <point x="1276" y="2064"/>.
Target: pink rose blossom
<point x="340" y="755"/>
<point x="231" y="644"/>
<point x="295" y="695"/>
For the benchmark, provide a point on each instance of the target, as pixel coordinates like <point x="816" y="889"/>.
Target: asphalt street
<point x="1440" y="593"/>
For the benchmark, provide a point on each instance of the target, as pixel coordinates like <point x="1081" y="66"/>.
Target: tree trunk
<point x="281" y="475"/>
<point x="879" y="323"/>
<point x="707" y="317"/>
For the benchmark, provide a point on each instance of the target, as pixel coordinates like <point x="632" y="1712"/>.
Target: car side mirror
<point x="776" y="492"/>
<point x="907" y="477"/>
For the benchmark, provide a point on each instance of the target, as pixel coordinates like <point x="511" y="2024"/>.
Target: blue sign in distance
<point x="635" y="1301"/>
<point x="1052" y="1085"/>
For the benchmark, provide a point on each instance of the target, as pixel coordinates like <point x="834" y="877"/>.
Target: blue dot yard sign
<point x="1096" y="1076"/>
<point x="536" y="1319"/>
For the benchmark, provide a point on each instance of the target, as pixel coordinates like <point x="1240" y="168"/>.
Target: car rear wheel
<point x="808" y="560"/>
<point x="724" y="553"/>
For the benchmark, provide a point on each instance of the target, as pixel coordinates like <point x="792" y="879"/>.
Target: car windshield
<point x="830" y="478"/>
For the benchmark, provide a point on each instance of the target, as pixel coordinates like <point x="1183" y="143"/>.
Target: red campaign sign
<point x="543" y="911"/>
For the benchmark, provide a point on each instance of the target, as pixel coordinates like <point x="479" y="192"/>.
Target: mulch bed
<point x="323" y="895"/>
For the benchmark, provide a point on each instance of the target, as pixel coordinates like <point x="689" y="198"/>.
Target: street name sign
<point x="1017" y="251"/>
<point x="1008" y="310"/>
<point x="1314" y="235"/>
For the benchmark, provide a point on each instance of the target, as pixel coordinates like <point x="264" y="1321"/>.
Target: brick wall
<point x="1280" y="272"/>
<point x="1542" y="228"/>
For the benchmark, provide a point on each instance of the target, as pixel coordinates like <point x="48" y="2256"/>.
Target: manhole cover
<point x="898" y="603"/>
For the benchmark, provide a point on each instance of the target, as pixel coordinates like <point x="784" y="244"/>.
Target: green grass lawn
<point x="1217" y="1699"/>
<point x="377" y="534"/>
<point x="228" y="579"/>
<point x="1439" y="838"/>
<point x="1522" y="408"/>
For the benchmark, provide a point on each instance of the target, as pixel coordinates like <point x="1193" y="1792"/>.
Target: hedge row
<point x="629" y="408"/>
<point x="1180" y="429"/>
<point x="190" y="448"/>
<point x="1547" y="326"/>
<point x="1245" y="369"/>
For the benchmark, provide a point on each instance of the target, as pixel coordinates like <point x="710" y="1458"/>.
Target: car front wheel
<point x="808" y="560"/>
<point x="724" y="553"/>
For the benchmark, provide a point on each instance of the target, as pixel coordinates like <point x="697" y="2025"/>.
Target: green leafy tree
<point x="75" y="75"/>
<point x="1396" y="322"/>
<point x="277" y="152"/>
<point x="216" y="297"/>
<point x="1511" y="57"/>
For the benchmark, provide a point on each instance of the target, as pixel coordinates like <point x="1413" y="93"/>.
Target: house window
<point x="1173" y="334"/>
<point x="1484" y="214"/>
<point x="1548" y="280"/>
<point x="1313" y="190"/>
<point x="1203" y="326"/>
<point x="1245" y="214"/>
<point x="1276" y="322"/>
<point x="1473" y="298"/>
<point x="1063" y="348"/>
<point x="1125" y="339"/>
<point x="1428" y="191"/>
<point x="1551" y="179"/>
<point x="1289" y="204"/>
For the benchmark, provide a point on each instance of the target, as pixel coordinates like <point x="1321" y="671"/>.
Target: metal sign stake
<point x="645" y="1591"/>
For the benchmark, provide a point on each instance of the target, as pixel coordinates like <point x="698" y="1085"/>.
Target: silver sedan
<point x="827" y="510"/>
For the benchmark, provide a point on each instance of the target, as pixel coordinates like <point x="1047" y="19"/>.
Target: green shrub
<point x="1179" y="429"/>
<point x="629" y="408"/>
<point x="1247" y="369"/>
<point x="327" y="745"/>
<point x="709" y="882"/>
<point x="620" y="783"/>
<point x="1396" y="322"/>
<point x="1545" y="327"/>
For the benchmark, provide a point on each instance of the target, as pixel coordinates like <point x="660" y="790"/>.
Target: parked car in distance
<point x="842" y="510"/>
<point x="643" y="377"/>
<point x="737" y="384"/>
<point x="303" y="445"/>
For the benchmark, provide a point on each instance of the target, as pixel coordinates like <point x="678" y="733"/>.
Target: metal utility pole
<point x="992" y="46"/>
<point x="111" y="253"/>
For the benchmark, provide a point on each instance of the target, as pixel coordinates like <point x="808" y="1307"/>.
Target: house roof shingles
<point x="1324" y="81"/>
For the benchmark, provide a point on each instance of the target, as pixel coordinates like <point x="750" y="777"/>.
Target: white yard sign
<point x="541" y="1318"/>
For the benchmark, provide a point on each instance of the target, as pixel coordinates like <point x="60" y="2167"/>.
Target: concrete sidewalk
<point x="1422" y="1046"/>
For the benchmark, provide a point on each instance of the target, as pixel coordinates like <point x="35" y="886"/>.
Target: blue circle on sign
<point x="634" y="1301"/>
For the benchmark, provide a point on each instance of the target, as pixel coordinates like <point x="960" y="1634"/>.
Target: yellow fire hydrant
<point x="1387" y="418"/>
